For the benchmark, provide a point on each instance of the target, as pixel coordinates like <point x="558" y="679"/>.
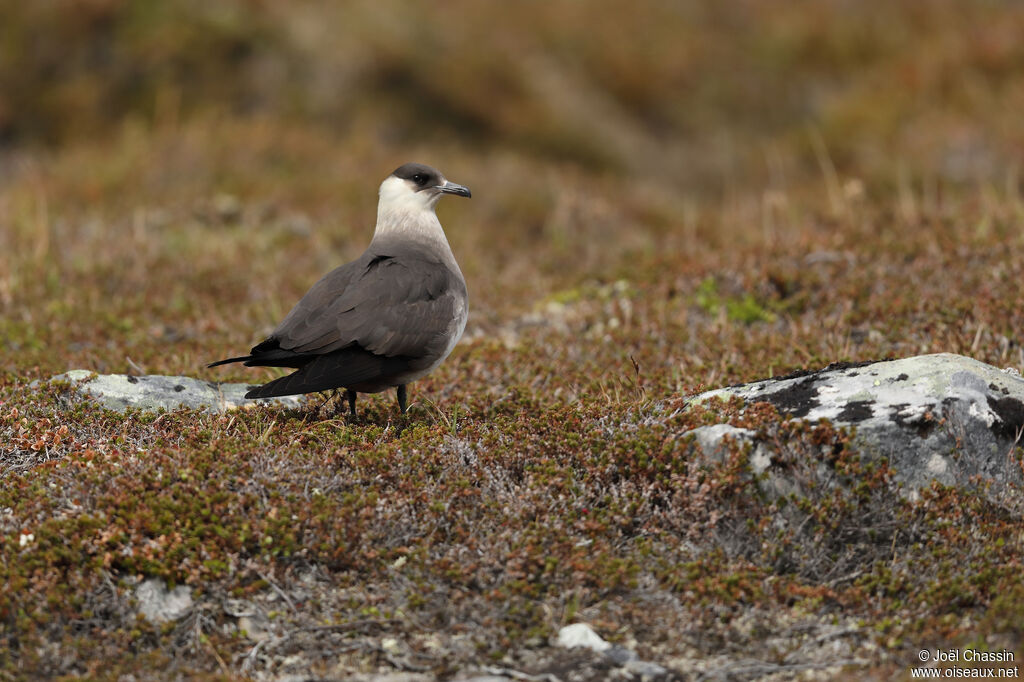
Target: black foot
<point x="402" y="399"/>
<point x="351" y="401"/>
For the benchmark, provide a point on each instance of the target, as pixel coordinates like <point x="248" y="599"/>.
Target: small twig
<point x="845" y="578"/>
<point x="828" y="637"/>
<point x="351" y="626"/>
<point x="223" y="665"/>
<point x="1013" y="446"/>
<point x="283" y="595"/>
<point x="757" y="668"/>
<point x="253" y="653"/>
<point x="131" y="363"/>
<point x="519" y="675"/>
<point x="405" y="665"/>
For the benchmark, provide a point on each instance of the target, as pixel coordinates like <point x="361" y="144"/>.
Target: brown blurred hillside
<point x="705" y="93"/>
<point x="231" y="149"/>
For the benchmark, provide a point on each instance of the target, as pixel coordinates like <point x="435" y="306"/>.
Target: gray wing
<point x="391" y="304"/>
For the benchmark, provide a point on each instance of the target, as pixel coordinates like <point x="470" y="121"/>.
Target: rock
<point x="154" y="392"/>
<point x="383" y="677"/>
<point x="940" y="417"/>
<point x="581" y="634"/>
<point x="620" y="655"/>
<point x="391" y="645"/>
<point x="239" y="608"/>
<point x="160" y="605"/>
<point x="713" y="441"/>
<point x="253" y="628"/>
<point x="644" y="670"/>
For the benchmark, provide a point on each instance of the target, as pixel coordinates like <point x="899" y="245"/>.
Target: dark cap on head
<point x="422" y="174"/>
<point x="425" y="177"/>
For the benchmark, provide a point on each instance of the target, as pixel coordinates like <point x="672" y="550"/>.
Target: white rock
<point x="252" y="628"/>
<point x="160" y="605"/>
<point x="711" y="440"/>
<point x="914" y="412"/>
<point x="581" y="634"/>
<point x="118" y="392"/>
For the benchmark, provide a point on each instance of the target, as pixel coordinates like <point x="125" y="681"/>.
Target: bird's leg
<point x="351" y="401"/>
<point x="402" y="398"/>
<point x="330" y="396"/>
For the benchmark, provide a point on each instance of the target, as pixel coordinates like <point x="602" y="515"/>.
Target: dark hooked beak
<point x="451" y="188"/>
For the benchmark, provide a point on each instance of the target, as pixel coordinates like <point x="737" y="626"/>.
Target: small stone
<point x="253" y="629"/>
<point x="645" y="670"/>
<point x="620" y="655"/>
<point x="227" y="207"/>
<point x="160" y="605"/>
<point x="581" y="634"/>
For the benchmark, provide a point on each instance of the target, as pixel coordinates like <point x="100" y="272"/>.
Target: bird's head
<point x="416" y="187"/>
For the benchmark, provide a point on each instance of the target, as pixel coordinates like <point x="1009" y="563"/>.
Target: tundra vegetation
<point x="666" y="199"/>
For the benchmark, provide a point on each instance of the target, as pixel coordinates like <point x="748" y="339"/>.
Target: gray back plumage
<point x="397" y="299"/>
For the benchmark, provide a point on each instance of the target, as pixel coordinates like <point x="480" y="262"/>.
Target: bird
<point x="387" y="318"/>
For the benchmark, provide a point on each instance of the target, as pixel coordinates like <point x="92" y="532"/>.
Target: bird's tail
<point x="341" y="369"/>
<point x="276" y="388"/>
<point x="243" y="358"/>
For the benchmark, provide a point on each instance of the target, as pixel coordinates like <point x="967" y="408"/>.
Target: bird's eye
<point x="420" y="179"/>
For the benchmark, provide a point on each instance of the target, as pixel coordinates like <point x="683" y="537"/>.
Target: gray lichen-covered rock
<point x="940" y="417"/>
<point x="160" y="605"/>
<point x="153" y="392"/>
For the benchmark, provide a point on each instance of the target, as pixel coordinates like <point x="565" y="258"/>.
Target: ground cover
<point x="839" y="185"/>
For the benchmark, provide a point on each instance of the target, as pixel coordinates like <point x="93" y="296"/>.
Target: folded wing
<point x="387" y="304"/>
<point x="381" y="315"/>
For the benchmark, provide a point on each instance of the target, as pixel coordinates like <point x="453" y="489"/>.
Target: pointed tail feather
<point x="274" y="358"/>
<point x="242" y="358"/>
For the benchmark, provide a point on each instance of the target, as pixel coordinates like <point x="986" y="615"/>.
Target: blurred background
<point x="181" y="172"/>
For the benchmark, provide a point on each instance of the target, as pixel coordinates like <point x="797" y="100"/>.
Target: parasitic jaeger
<point x="387" y="318"/>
